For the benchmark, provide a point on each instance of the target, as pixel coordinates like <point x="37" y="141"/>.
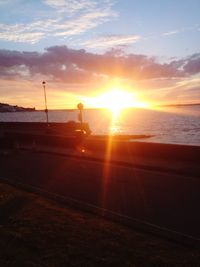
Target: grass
<point x="38" y="232"/>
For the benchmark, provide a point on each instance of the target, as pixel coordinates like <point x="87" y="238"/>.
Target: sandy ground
<point x="39" y="232"/>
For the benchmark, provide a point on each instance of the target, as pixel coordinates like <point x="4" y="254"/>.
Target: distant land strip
<point x="10" y="108"/>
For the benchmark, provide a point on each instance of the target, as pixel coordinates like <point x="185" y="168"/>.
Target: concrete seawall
<point x="61" y="134"/>
<point x="182" y="159"/>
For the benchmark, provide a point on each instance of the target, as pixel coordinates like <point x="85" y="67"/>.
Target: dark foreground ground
<point x="157" y="198"/>
<point x="39" y="232"/>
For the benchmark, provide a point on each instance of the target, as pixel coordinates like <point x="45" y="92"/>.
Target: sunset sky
<point x="84" y="49"/>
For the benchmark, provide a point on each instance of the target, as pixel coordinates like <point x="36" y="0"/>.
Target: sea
<point x="173" y="125"/>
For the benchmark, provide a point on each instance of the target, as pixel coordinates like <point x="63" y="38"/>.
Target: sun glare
<point x="117" y="99"/>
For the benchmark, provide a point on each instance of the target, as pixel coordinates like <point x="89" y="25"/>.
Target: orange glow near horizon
<point x="116" y="99"/>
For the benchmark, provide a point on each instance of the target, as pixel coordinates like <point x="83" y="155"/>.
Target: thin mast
<point x="45" y="99"/>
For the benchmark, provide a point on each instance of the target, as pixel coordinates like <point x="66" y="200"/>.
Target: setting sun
<point x="117" y="99"/>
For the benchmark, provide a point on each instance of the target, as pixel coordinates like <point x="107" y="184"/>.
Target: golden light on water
<point x="116" y="100"/>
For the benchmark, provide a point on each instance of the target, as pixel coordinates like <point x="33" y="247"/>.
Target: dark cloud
<point x="192" y="65"/>
<point x="78" y="66"/>
<point x="189" y="65"/>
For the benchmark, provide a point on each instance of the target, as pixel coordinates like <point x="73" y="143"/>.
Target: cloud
<point x="192" y="64"/>
<point x="27" y="33"/>
<point x="171" y="33"/>
<point x="112" y="41"/>
<point x="82" y="24"/>
<point x="60" y="63"/>
<point x="72" y="6"/>
<point x="189" y="65"/>
<point x="26" y="37"/>
<point x="181" y="30"/>
<point x="81" y="72"/>
<point x="77" y="17"/>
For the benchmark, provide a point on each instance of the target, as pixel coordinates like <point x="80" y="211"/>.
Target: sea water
<point x="179" y="125"/>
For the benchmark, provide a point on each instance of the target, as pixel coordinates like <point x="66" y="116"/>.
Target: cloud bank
<point x="60" y="63"/>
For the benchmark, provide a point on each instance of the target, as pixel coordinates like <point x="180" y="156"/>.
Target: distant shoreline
<point x="170" y="105"/>
<point x="179" y="105"/>
<point x="4" y="108"/>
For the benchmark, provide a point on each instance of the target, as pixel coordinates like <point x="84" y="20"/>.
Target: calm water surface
<point x="179" y="125"/>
